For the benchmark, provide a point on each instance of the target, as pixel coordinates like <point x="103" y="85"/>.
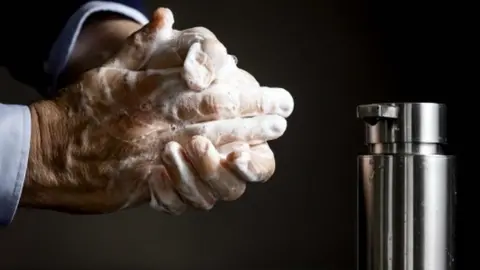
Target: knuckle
<point x="171" y="147"/>
<point x="217" y="106"/>
<point x="197" y="139"/>
<point x="137" y="39"/>
<point x="209" y="105"/>
<point x="185" y="112"/>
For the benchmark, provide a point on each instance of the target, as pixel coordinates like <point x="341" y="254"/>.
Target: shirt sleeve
<point x="15" y="119"/>
<point x="14" y="148"/>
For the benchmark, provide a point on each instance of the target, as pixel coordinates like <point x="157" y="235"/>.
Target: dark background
<point x="332" y="56"/>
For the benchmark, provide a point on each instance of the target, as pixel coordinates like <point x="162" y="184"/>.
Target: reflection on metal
<point x="408" y="187"/>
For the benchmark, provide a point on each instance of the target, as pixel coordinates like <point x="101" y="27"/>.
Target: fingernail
<point x="287" y="108"/>
<point x="278" y="125"/>
<point x="287" y="103"/>
<point x="162" y="17"/>
<point x="279" y="101"/>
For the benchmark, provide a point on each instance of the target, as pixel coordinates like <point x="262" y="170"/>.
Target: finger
<point x="240" y="77"/>
<point x="253" y="130"/>
<point x="173" y="53"/>
<point x="198" y="69"/>
<point x="225" y="101"/>
<point x="222" y="64"/>
<point x="201" y="63"/>
<point x="265" y="100"/>
<point x="142" y="44"/>
<point x="210" y="168"/>
<point x="163" y="196"/>
<point x="210" y="45"/>
<point x="186" y="38"/>
<point x="217" y="53"/>
<point x="255" y="165"/>
<point x="184" y="179"/>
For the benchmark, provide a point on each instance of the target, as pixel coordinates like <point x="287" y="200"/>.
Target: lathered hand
<point x="115" y="138"/>
<point x="225" y="169"/>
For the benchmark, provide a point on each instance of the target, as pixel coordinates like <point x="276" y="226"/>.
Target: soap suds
<point x="181" y="120"/>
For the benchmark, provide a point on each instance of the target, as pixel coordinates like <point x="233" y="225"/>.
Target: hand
<point x="105" y="32"/>
<point x="228" y="168"/>
<point x="97" y="147"/>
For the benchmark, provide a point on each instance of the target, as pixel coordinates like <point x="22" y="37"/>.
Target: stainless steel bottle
<point x="408" y="186"/>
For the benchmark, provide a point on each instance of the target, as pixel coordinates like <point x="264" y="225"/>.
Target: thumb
<point x="139" y="47"/>
<point x="198" y="70"/>
<point x="206" y="60"/>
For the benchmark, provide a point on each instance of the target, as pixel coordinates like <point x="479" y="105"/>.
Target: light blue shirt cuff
<point x="14" y="148"/>
<point x="15" y="119"/>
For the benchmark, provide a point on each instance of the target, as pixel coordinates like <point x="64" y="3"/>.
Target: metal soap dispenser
<point x="408" y="187"/>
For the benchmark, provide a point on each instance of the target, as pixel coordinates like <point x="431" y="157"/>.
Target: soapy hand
<point x="227" y="168"/>
<point x="121" y="137"/>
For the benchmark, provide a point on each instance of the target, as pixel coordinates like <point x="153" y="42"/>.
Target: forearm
<point x="47" y="160"/>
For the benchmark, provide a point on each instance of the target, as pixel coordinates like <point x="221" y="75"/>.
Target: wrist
<point x="46" y="120"/>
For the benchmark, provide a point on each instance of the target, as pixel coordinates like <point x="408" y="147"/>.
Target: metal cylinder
<point x="408" y="187"/>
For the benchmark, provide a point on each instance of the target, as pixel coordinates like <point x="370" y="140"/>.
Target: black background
<point x="332" y="56"/>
